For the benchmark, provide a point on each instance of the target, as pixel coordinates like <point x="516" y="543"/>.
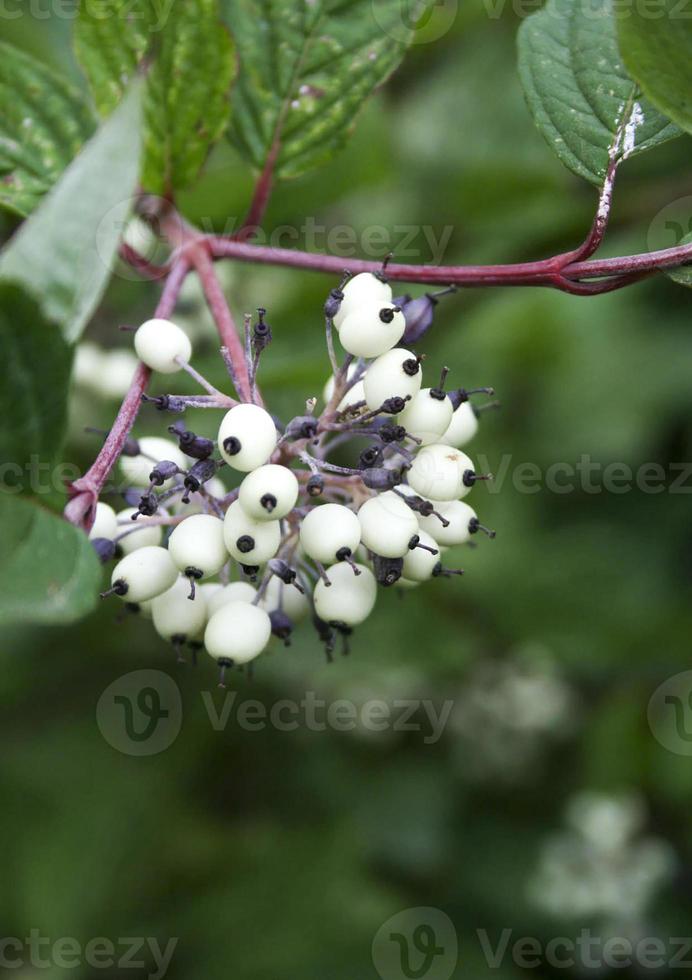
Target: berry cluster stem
<point x="223" y="318"/>
<point x="582" y="278"/>
<point x="84" y="492"/>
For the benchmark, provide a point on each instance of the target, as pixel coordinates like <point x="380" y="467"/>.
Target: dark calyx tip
<point x="193" y="574"/>
<point x="269" y="502"/>
<point x="119" y="587"/>
<point x="232" y="446"/>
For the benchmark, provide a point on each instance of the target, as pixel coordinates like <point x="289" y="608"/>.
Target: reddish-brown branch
<point x="565" y="272"/>
<point x="559" y="272"/>
<point x="665" y="258"/>
<point x="147" y="269"/>
<point x="260" y="198"/>
<point x="84" y="492"/>
<point x="600" y="222"/>
<point x="223" y="318"/>
<point x="597" y="287"/>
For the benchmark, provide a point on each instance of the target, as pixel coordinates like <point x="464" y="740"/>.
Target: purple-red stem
<point x="223" y="318"/>
<point x="260" y="198"/>
<point x="84" y="492"/>
<point x="555" y="272"/>
<point x="147" y="269"/>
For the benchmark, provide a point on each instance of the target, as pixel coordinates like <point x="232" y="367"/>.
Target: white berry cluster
<point x="325" y="508"/>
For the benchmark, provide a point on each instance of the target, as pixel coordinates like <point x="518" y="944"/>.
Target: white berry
<point x="349" y="599"/>
<point x="396" y="374"/>
<point x="269" y="493"/>
<point x="354" y="396"/>
<point x="278" y="595"/>
<point x="439" y="472"/>
<point x="88" y="365"/>
<point x="197" y="546"/>
<point x="105" y="523"/>
<point x="117" y="370"/>
<point x="419" y="563"/>
<point x="247" y="437"/>
<point x="361" y="290"/>
<point x="153" y="450"/>
<point x="463" y="427"/>
<point x="427" y="415"/>
<point x="197" y="503"/>
<point x="235" y="592"/>
<point x="250" y="542"/>
<point x="238" y="632"/>
<point x="387" y="525"/>
<point x="140" y="533"/>
<point x="460" y="517"/>
<point x="329" y="386"/>
<point x="159" y="342"/>
<point x="373" y="329"/>
<point x="144" y="608"/>
<point x="176" y="616"/>
<point x="208" y="591"/>
<point x="330" y="533"/>
<point x="144" y="574"/>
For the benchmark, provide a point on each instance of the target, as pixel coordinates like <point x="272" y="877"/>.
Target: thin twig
<point x="223" y="318"/>
<point x="84" y="492"/>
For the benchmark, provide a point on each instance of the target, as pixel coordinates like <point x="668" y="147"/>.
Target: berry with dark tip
<point x="381" y="478"/>
<point x="388" y="571"/>
<point x="191" y="444"/>
<point x="163" y="471"/>
<point x="203" y="471"/>
<point x="282" y="626"/>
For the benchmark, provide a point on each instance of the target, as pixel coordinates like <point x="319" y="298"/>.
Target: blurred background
<point x="550" y="802"/>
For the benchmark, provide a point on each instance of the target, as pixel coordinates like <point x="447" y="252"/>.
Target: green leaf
<point x="36" y="374"/>
<point x="683" y="274"/>
<point x="188" y="84"/>
<point x="43" y="123"/>
<point x="306" y="69"/>
<point x="50" y="572"/>
<point x="581" y="97"/>
<point x="64" y="252"/>
<point x="110" y="39"/>
<point x="657" y="50"/>
<point x="188" y="95"/>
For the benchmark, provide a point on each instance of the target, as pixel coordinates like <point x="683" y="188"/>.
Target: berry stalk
<point x="84" y="492"/>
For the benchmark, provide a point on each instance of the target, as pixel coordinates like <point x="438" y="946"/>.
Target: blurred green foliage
<point x="274" y="854"/>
